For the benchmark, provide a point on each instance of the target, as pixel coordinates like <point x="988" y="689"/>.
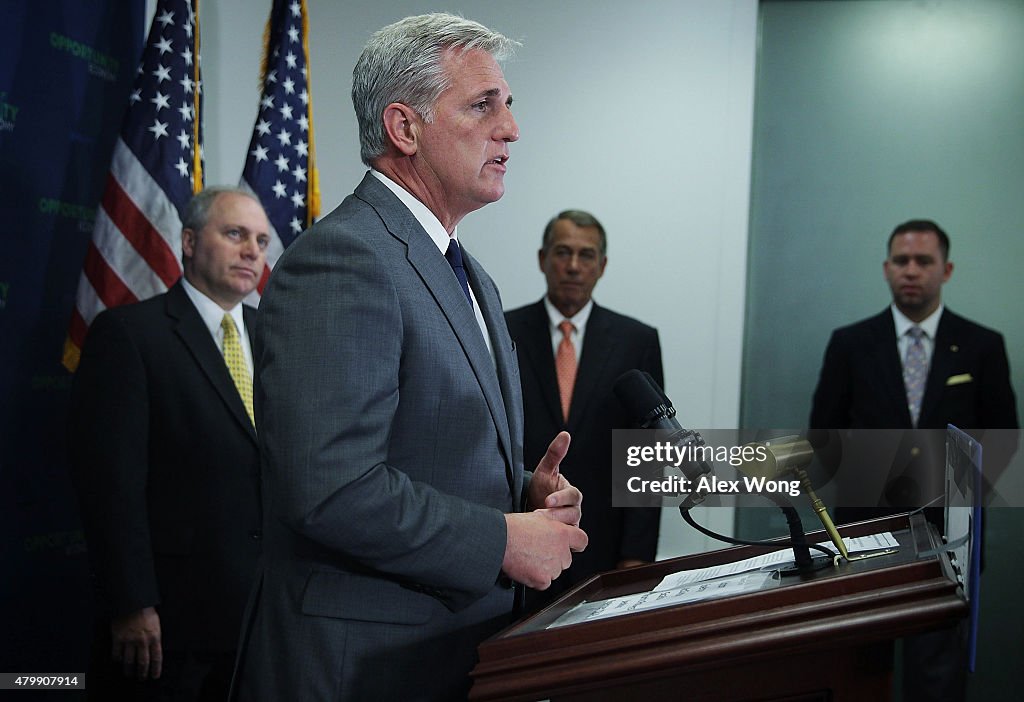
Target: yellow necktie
<point x="235" y="360"/>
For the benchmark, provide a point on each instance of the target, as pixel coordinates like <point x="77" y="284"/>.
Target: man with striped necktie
<point x="917" y="365"/>
<point x="571" y="350"/>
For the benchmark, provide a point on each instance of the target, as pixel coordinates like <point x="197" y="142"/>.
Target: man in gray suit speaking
<point x="397" y="512"/>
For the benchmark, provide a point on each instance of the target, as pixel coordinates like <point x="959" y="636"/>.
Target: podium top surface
<point x="872" y="600"/>
<point x="864" y="576"/>
<point x="904" y="580"/>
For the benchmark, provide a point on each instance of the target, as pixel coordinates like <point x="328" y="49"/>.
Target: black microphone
<point x="647" y="403"/>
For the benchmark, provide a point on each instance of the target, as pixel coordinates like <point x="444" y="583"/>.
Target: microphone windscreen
<point x="639" y="394"/>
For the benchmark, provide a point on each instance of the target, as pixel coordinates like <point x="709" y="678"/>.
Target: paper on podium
<point x="783" y="557"/>
<point x="749" y="575"/>
<point x="711" y="589"/>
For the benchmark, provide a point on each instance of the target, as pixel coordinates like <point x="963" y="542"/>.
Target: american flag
<point x="280" y="167"/>
<point x="156" y="167"/>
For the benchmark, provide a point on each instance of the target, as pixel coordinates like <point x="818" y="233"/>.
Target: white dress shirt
<point x="212" y="315"/>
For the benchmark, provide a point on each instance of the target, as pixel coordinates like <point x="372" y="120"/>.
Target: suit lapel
<point x="538" y="351"/>
<point x="190" y="329"/>
<point x="507" y="403"/>
<point x="249" y="315"/>
<point x="598" y="345"/>
<point x="947" y="346"/>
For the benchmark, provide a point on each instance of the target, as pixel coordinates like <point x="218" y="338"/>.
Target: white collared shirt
<point x="437" y="233"/>
<point x="929" y="325"/>
<point x="579" y="321"/>
<point x="212" y="314"/>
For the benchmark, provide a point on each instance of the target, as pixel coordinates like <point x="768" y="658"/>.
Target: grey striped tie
<point x="915" y="372"/>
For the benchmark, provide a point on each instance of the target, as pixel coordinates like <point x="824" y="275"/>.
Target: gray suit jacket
<point x="392" y="446"/>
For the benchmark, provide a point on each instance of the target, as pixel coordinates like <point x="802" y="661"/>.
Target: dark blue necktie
<point x="454" y="257"/>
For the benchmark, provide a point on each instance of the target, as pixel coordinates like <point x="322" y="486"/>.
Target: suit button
<point x="256" y="534"/>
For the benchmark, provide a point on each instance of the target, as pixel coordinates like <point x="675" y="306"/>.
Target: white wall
<point x="639" y="112"/>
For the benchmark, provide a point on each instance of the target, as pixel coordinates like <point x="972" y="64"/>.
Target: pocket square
<point x="959" y="379"/>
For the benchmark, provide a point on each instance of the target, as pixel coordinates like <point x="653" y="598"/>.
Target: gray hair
<point x="402" y="63"/>
<point x="197" y="211"/>
<point x="580" y="219"/>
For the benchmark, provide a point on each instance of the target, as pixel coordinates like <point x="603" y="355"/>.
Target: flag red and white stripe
<point x="135" y="251"/>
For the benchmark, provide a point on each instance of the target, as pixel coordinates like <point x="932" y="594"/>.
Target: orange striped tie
<point x="565" y="366"/>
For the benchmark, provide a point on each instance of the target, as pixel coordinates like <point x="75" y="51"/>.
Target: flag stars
<point x="187" y="84"/>
<point x="161" y="101"/>
<point x="278" y="163"/>
<point x="166" y="18"/>
<point x="164" y="45"/>
<point x="135" y="97"/>
<point x="162" y="73"/>
<point x="183" y="139"/>
<point x="187" y="56"/>
<point x="186" y="112"/>
<point x="182" y="167"/>
<point x="159" y="129"/>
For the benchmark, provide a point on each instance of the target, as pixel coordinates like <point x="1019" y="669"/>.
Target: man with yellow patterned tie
<point x="165" y="461"/>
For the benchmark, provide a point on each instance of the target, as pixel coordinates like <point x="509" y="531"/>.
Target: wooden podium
<point x="826" y="636"/>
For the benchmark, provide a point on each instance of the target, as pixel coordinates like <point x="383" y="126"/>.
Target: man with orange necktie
<point x="571" y="351"/>
<point x="166" y="464"/>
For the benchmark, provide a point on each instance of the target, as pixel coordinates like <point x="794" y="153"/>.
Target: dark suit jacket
<point x="861" y="387"/>
<point x="861" y="382"/>
<point x="612" y="344"/>
<point x="392" y="449"/>
<point x="166" y="464"/>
